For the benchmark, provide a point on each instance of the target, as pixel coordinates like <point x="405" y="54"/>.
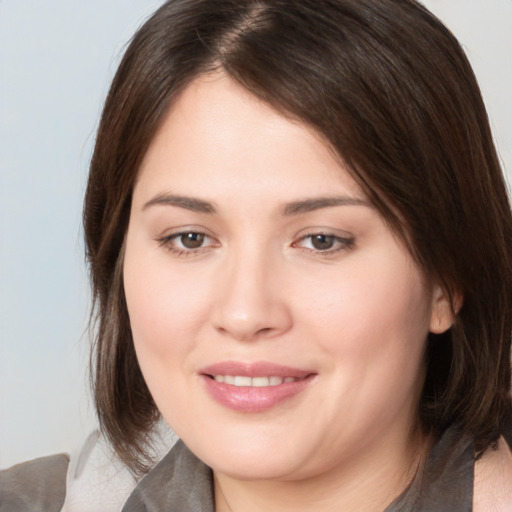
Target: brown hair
<point x="391" y="89"/>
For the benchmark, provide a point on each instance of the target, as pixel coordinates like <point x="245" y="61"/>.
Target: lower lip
<point x="253" y="399"/>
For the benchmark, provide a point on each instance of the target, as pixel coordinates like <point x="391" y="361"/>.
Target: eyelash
<point x="341" y="243"/>
<point x="169" y="241"/>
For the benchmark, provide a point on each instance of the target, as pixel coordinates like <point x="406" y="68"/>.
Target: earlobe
<point x="443" y="316"/>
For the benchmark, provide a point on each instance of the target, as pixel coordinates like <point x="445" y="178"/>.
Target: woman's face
<point x="278" y="322"/>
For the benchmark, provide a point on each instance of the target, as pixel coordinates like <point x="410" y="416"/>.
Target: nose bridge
<point x="250" y="303"/>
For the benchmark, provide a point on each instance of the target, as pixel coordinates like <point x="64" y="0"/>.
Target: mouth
<point x="254" y="387"/>
<point x="256" y="382"/>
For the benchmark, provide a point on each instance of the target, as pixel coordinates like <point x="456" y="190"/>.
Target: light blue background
<point x="56" y="60"/>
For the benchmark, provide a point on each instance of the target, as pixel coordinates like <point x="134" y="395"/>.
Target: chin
<point x="251" y="455"/>
<point x="240" y="468"/>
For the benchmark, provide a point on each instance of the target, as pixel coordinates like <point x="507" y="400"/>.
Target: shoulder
<point x="99" y="480"/>
<point x="36" y="485"/>
<point x="493" y="480"/>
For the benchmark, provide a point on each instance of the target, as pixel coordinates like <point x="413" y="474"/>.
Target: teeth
<point x="242" y="381"/>
<point x="260" y="382"/>
<point x="257" y="382"/>
<point x="275" y="381"/>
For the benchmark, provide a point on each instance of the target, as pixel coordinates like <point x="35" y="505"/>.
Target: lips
<point x="253" y="387"/>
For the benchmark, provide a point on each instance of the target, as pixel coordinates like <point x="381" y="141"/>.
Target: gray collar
<point x="180" y="482"/>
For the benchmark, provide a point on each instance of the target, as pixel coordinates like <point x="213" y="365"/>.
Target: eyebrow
<point x="317" y="203"/>
<point x="289" y="209"/>
<point x="188" y="203"/>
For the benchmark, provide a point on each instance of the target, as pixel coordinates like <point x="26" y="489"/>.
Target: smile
<point x="257" y="382"/>
<point x="254" y="387"/>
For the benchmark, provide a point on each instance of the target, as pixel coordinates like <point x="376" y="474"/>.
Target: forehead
<point x="217" y="138"/>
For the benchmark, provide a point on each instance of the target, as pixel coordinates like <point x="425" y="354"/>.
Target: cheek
<point x="165" y="312"/>
<point x="373" y="322"/>
<point x="164" y="309"/>
<point x="371" y="299"/>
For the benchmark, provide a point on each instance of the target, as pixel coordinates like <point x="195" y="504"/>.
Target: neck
<point x="367" y="484"/>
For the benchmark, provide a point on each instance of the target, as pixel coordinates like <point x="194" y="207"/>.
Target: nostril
<point x="264" y="330"/>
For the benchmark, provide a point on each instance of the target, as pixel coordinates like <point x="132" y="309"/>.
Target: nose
<point x="252" y="301"/>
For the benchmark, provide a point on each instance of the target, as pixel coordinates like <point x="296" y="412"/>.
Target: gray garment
<point x="180" y="482"/>
<point x="445" y="484"/>
<point x="35" y="486"/>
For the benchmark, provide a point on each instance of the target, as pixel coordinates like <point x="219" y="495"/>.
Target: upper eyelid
<point x="335" y="232"/>
<point x="343" y="237"/>
<point x="342" y="243"/>
<point x="167" y="242"/>
<point x="346" y="239"/>
<point x="182" y="230"/>
<point x="177" y="234"/>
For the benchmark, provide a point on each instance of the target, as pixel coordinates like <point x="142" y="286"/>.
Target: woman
<point x="299" y="240"/>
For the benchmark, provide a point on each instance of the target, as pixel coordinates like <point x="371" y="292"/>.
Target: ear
<point x="442" y="316"/>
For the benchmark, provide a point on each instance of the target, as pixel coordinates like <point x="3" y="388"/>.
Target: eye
<point x="190" y="240"/>
<point x="324" y="243"/>
<point x="187" y="243"/>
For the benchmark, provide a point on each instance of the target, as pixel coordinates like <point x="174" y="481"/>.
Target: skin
<point x="493" y="474"/>
<point x="258" y="288"/>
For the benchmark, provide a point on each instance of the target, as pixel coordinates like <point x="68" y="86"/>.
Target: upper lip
<point x="254" y="369"/>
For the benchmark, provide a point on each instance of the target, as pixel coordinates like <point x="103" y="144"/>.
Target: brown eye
<point x="325" y="243"/>
<point x="188" y="243"/>
<point x="192" y="240"/>
<point x="322" y="242"/>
